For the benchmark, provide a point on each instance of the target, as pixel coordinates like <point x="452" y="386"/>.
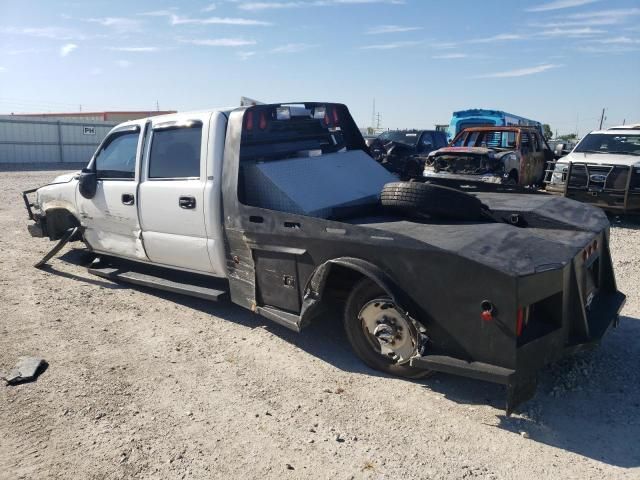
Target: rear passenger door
<point x="172" y="194"/>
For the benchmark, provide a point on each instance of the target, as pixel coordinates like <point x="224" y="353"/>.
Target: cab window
<point x="117" y="157"/>
<point x="175" y="152"/>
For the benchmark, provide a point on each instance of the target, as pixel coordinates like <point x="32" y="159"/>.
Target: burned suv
<point x="501" y="155"/>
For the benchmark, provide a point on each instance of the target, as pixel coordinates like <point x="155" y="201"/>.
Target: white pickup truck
<point x="280" y="208"/>
<point x="603" y="170"/>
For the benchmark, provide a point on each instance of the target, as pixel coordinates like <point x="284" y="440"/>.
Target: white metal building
<point x="28" y="140"/>
<point x="58" y="138"/>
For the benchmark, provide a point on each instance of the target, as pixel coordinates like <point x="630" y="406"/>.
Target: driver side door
<point x="110" y="218"/>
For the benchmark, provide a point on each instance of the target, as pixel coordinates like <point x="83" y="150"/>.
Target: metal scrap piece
<point x="27" y="369"/>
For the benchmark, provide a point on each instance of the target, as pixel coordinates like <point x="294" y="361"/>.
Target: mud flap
<point x="69" y="234"/>
<point x="519" y="391"/>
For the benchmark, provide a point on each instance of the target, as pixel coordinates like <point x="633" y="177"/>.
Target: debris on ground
<point x="26" y="370"/>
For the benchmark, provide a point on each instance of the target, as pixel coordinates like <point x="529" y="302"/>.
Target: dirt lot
<point x="149" y="385"/>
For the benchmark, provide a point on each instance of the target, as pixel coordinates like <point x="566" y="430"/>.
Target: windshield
<point x="487" y="139"/>
<point x="407" y="138"/>
<point x="624" y="144"/>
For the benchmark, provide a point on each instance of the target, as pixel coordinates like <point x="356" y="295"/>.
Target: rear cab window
<point x="175" y="151"/>
<point x="289" y="156"/>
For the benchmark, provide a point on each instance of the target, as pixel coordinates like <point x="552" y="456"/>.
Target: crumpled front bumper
<point x="39" y="226"/>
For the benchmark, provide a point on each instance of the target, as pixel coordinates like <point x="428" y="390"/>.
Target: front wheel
<point x="379" y="333"/>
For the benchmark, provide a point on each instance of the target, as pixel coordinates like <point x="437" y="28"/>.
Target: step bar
<point x="193" y="285"/>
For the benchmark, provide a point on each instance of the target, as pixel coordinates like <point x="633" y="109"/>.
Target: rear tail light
<point x="486" y="310"/>
<point x="263" y="121"/>
<point x="249" y="121"/>
<point x="336" y="119"/>
<point x="520" y="321"/>
<point x="590" y="250"/>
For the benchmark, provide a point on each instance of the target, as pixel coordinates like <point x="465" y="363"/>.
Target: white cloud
<point x="448" y="56"/>
<point x="618" y="41"/>
<point x="313" y="3"/>
<point x="160" y="13"/>
<point x="3" y="69"/>
<point x="134" y="49"/>
<point x="221" y="42"/>
<point x="23" y="51"/>
<point x="571" y="32"/>
<point x="54" y="33"/>
<point x="593" y="22"/>
<point x="502" y="37"/>
<point x="521" y="72"/>
<point x="95" y="71"/>
<point x="209" y="8"/>
<point x="613" y="13"/>
<point x="67" y="49"/>
<point x="292" y="48"/>
<point x="390" y="29"/>
<point x="123" y="63"/>
<point x="609" y="49"/>
<point x="390" y="46"/>
<point x="119" y="24"/>
<point x="559" y="4"/>
<point x="176" y="20"/>
<point x="246" y="55"/>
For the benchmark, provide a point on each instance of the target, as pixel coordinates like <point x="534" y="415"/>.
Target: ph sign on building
<point x="89" y="130"/>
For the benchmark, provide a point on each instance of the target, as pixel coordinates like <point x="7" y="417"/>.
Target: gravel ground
<point x="149" y="385"/>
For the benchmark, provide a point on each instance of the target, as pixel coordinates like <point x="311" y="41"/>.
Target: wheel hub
<point x="389" y="331"/>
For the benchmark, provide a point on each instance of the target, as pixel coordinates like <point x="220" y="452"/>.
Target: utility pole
<point x="157" y="106"/>
<point x="373" y="115"/>
<point x="601" y="119"/>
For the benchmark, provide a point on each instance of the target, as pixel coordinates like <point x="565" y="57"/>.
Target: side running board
<point x="193" y="285"/>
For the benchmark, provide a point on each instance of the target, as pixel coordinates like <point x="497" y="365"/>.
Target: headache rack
<point x="609" y="186"/>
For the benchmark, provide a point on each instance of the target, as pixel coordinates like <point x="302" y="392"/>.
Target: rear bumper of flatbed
<point x="521" y="381"/>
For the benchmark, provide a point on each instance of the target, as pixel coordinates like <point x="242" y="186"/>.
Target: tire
<point x="363" y="293"/>
<point x="418" y="199"/>
<point x="512" y="180"/>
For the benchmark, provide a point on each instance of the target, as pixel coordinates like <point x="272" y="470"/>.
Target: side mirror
<point x="88" y="183"/>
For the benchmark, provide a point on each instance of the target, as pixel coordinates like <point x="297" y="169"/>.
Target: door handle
<point x="128" y="198"/>
<point x="187" y="202"/>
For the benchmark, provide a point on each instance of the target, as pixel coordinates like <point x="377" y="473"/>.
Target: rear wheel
<point x="379" y="333"/>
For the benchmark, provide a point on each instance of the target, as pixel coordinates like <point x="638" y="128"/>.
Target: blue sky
<point x="557" y="61"/>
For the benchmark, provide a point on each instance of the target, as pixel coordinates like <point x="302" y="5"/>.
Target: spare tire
<point x="419" y="199"/>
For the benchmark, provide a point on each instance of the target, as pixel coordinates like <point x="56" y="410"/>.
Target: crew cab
<point x="501" y="155"/>
<point x="280" y="209"/>
<point x="603" y="169"/>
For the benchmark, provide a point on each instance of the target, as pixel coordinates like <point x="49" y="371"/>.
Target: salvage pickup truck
<point x="496" y="155"/>
<point x="279" y="208"/>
